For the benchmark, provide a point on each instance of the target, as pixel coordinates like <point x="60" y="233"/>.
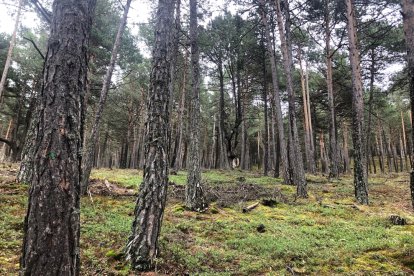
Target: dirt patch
<point x="106" y="188"/>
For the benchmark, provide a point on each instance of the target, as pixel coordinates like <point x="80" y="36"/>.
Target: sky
<point x="139" y="13"/>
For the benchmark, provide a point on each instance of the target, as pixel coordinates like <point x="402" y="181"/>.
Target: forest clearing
<point x="326" y="234"/>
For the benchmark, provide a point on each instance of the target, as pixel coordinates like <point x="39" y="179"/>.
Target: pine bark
<point x="142" y="246"/>
<point x="89" y="153"/>
<point x="194" y="196"/>
<point x="360" y="170"/>
<point x="408" y="23"/>
<point x="52" y="223"/>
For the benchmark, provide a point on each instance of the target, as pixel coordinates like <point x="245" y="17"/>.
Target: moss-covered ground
<point x="327" y="234"/>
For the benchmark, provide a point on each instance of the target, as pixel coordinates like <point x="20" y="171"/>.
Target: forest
<point x="207" y="137"/>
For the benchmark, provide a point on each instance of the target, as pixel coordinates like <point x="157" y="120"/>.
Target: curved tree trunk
<point x="52" y="223"/>
<point x="360" y="170"/>
<point x="142" y="246"/>
<point x="194" y="194"/>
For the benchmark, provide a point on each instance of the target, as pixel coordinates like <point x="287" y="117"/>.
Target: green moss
<point x="323" y="235"/>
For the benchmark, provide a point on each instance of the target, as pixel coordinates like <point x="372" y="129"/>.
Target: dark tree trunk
<point x="408" y="19"/>
<point x="89" y="153"/>
<point x="52" y="223"/>
<point x="194" y="194"/>
<point x="142" y="246"/>
<point x="360" y="170"/>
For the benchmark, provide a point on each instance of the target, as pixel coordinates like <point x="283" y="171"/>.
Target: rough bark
<point x="142" y="246"/>
<point x="408" y="21"/>
<point x="360" y="170"/>
<point x="52" y="223"/>
<point x="296" y="159"/>
<point x="194" y="194"/>
<point x="89" y="152"/>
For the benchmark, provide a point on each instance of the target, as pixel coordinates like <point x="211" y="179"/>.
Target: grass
<point x="327" y="234"/>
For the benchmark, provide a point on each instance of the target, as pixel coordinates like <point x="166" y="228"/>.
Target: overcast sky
<point x="139" y="13"/>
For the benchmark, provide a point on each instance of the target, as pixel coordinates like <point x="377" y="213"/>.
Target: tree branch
<point x="43" y="11"/>
<point x="8" y="142"/>
<point x="34" y="45"/>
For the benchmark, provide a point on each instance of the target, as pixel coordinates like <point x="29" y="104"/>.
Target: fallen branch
<point x="251" y="207"/>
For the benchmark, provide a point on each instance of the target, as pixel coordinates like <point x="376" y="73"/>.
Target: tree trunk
<point x="333" y="156"/>
<point x="52" y="223"/>
<point x="10" y="52"/>
<point x="360" y="171"/>
<point x="309" y="158"/>
<point x="277" y="102"/>
<point x="408" y="20"/>
<point x="176" y="159"/>
<point x="266" y="129"/>
<point x="194" y="194"/>
<point x="92" y="141"/>
<point x="296" y="154"/>
<point x="142" y="246"/>
<point x="346" y="149"/>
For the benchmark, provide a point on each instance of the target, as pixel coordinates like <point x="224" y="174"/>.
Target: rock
<point x="270" y="202"/>
<point x="261" y="228"/>
<point x="397" y="220"/>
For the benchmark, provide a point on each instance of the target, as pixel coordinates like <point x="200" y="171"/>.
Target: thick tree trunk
<point x="52" y="223"/>
<point x="277" y="102"/>
<point x="408" y="19"/>
<point x="142" y="246"/>
<point x="360" y="171"/>
<point x="89" y="153"/>
<point x="194" y="194"/>
<point x="296" y="153"/>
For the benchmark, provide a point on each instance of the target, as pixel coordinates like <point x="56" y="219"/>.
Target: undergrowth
<point x="326" y="234"/>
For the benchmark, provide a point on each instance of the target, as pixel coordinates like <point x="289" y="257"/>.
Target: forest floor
<point x="327" y="234"/>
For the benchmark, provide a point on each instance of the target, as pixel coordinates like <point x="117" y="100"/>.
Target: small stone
<point x="261" y="228"/>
